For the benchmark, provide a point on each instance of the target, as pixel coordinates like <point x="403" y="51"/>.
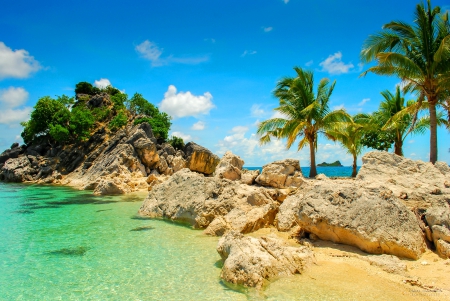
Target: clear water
<point x="61" y="244"/>
<point x="344" y="171"/>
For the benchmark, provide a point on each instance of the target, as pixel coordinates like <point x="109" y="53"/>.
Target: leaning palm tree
<point x="305" y="114"/>
<point x="419" y="55"/>
<point x="349" y="134"/>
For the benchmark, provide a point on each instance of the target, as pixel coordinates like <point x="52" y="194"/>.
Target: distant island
<point x="334" y="164"/>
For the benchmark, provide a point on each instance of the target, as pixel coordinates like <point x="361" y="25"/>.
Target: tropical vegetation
<point x="419" y="54"/>
<point x="305" y="113"/>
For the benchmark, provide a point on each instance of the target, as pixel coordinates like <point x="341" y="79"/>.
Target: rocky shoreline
<point x="395" y="206"/>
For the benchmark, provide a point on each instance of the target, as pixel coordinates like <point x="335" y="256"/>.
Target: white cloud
<point x="102" y="83"/>
<point x="363" y="102"/>
<point x="411" y="141"/>
<point x="210" y="40"/>
<point x="285" y="1"/>
<point x="248" y="52"/>
<point x="334" y="65"/>
<point x="338" y="107"/>
<point x="152" y="52"/>
<point x="268" y="29"/>
<point x="256" y="111"/>
<point x="185" y="137"/>
<point x="11" y="106"/>
<point x="16" y="64"/>
<point x="198" y="126"/>
<point x="184" y="104"/>
<point x="309" y="63"/>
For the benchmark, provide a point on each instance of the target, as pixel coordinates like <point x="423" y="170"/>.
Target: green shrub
<point x="86" y="88"/>
<point x="119" y="101"/>
<point x="119" y="121"/>
<point x="176" y="142"/>
<point x="59" y="133"/>
<point x="160" y="125"/>
<point x="81" y="122"/>
<point x="101" y="114"/>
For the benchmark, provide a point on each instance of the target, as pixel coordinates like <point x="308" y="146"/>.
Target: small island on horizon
<point x="334" y="164"/>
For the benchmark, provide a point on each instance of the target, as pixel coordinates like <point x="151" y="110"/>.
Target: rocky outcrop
<point x="372" y="219"/>
<point x="200" y="159"/>
<point x="387" y="263"/>
<point x="13" y="152"/>
<point x="251" y="262"/>
<point x="249" y="176"/>
<point x="229" y="167"/>
<point x="438" y="221"/>
<point x="216" y="204"/>
<point x="417" y="183"/>
<point x="281" y="174"/>
<point x="17" y="170"/>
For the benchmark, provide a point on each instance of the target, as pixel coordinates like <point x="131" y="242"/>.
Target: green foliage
<point x="59" y="133"/>
<point x="81" y="122"/>
<point x="378" y="139"/>
<point x="176" y="142"/>
<point x="119" y="121"/>
<point x="86" y="88"/>
<point x="119" y="101"/>
<point x="101" y="114"/>
<point x="159" y="121"/>
<point x="66" y="100"/>
<point x="111" y="90"/>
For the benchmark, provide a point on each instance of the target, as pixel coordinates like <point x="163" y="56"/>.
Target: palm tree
<point x="306" y="114"/>
<point x="419" y="55"/>
<point x="349" y="134"/>
<point x="395" y="116"/>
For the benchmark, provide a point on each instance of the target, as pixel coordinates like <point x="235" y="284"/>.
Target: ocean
<point x="344" y="171"/>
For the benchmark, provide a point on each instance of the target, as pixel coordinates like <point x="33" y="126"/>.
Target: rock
<point x="321" y="177"/>
<point x="370" y="219"/>
<point x="252" y="261"/>
<point x="17" y="170"/>
<point x="438" y="215"/>
<point x="443" y="248"/>
<point x="443" y="168"/>
<point x="168" y="149"/>
<point x="13" y="152"/>
<point x="200" y="159"/>
<point x="109" y="187"/>
<point x="178" y="163"/>
<point x="99" y="100"/>
<point x="281" y="174"/>
<point x="146" y="150"/>
<point x="229" y="167"/>
<point x="249" y="176"/>
<point x="423" y="183"/>
<point x="162" y="165"/>
<point x="440" y="232"/>
<point x="388" y="263"/>
<point x="192" y="198"/>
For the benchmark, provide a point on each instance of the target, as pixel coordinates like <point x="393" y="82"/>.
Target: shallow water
<point x="62" y="244"/>
<point x="344" y="171"/>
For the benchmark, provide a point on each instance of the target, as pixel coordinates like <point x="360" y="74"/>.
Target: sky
<point x="212" y="65"/>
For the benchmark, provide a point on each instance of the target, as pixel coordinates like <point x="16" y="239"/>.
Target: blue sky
<point x="212" y="65"/>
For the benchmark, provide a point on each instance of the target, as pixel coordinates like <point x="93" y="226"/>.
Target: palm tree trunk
<point x="312" y="152"/>
<point x="354" y="166"/>
<point x="398" y="145"/>
<point x="433" y="132"/>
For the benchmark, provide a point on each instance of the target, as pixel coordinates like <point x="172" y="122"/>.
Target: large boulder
<point x="417" y="183"/>
<point x="251" y="262"/>
<point x="249" y="176"/>
<point x="99" y="100"/>
<point x="13" y="152"/>
<point x="229" y="167"/>
<point x="438" y="221"/>
<point x="281" y="174"/>
<point x="200" y="159"/>
<point x="373" y="219"/>
<point x="17" y="170"/>
<point x="147" y="152"/>
<point x="209" y="202"/>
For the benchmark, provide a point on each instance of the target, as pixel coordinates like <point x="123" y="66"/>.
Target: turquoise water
<point x="344" y="171"/>
<point x="61" y="244"/>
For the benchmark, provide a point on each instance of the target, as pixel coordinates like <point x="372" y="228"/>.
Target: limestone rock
<point x="388" y="263"/>
<point x="200" y="159"/>
<point x="229" y="167"/>
<point x="99" y="100"/>
<point x="109" y="187"/>
<point x="192" y="198"/>
<point x="178" y="163"/>
<point x="252" y="261"/>
<point x="370" y="219"/>
<point x="17" y="170"/>
<point x="443" y="248"/>
<point x="249" y="176"/>
<point x="281" y="174"/>
<point x="146" y="150"/>
<point x="13" y="152"/>
<point x="423" y="183"/>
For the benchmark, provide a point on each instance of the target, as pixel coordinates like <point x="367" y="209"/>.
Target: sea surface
<point x="344" y="171"/>
<point x="57" y="243"/>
